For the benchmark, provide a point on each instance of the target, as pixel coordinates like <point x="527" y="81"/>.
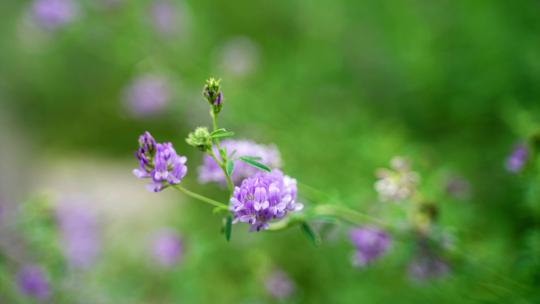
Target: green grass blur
<point x="340" y="87"/>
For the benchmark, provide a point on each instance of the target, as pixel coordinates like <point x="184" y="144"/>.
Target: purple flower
<point x="371" y="243"/>
<point x="264" y="197"/>
<point x="164" y="16"/>
<point x="280" y="285"/>
<point x="147" y="95"/>
<point x="159" y="162"/>
<point x="211" y="172"/>
<point x="52" y="14"/>
<point x="426" y="267"/>
<point x="517" y="160"/>
<point x="80" y="234"/>
<point x="168" y="248"/>
<point x="33" y="282"/>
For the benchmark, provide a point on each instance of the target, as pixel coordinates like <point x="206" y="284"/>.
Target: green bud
<point x="212" y="93"/>
<point x="200" y="139"/>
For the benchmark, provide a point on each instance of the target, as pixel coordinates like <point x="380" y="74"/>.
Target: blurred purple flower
<point x="159" y="162"/>
<point x="517" y="160"/>
<point x="32" y="281"/>
<point x="371" y="243"/>
<point x="80" y="234"/>
<point x="427" y="267"/>
<point x="168" y="248"/>
<point x="164" y="16"/>
<point x="147" y="95"/>
<point x="52" y="14"/>
<point x="239" y="56"/>
<point x="211" y="172"/>
<point x="264" y="197"/>
<point x="280" y="285"/>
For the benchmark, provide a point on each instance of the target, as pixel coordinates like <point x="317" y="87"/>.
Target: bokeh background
<point x="340" y="87"/>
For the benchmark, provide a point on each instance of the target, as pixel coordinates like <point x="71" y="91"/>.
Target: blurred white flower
<point x="398" y="183"/>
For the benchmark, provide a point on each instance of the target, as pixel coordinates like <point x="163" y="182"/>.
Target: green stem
<point x="348" y="215"/>
<point x="222" y="164"/>
<point x="202" y="198"/>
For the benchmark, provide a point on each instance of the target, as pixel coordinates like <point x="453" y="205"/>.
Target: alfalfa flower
<point x="160" y="162"/>
<point x="79" y="229"/>
<point x="264" y="197"/>
<point x="279" y="285"/>
<point x="147" y="95"/>
<point x="398" y="183"/>
<point x="371" y="244"/>
<point x="167" y="248"/>
<point x="212" y="93"/>
<point x="53" y="14"/>
<point x="517" y="160"/>
<point x="33" y="282"/>
<point x="211" y="172"/>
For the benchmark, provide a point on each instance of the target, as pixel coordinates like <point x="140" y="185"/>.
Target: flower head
<point x="427" y="267"/>
<point x="80" y="234"/>
<point x="52" y="14"/>
<point x="212" y="93"/>
<point x="264" y="197"/>
<point x="159" y="162"/>
<point x="167" y="248"/>
<point x="279" y="285"/>
<point x="517" y="160"/>
<point x="397" y="184"/>
<point x="147" y="95"/>
<point x="33" y="282"/>
<point x="211" y="172"/>
<point x="371" y="244"/>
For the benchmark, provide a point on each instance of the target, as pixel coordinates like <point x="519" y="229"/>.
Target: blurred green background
<point x="339" y="86"/>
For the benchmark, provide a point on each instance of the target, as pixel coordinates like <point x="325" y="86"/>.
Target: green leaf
<point x="310" y="233"/>
<point x="230" y="167"/>
<point x="250" y="161"/>
<point x="253" y="157"/>
<point x="228" y="228"/>
<point x="221" y="133"/>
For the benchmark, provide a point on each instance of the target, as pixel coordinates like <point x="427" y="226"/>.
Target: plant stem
<point x="222" y="164"/>
<point x="201" y="198"/>
<point x="348" y="215"/>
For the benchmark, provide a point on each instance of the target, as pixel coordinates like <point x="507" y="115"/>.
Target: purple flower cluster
<point x="167" y="248"/>
<point x="371" y="244"/>
<point x="264" y="197"/>
<point x="427" y="267"/>
<point x="517" y="160"/>
<point x="164" y="16"/>
<point x="32" y="281"/>
<point x="52" y="14"/>
<point x="80" y="234"/>
<point x="211" y="172"/>
<point x="147" y="94"/>
<point x="159" y="162"/>
<point x="280" y="285"/>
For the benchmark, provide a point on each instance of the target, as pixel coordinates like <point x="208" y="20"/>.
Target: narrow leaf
<point x="223" y="134"/>
<point x="255" y="163"/>
<point x="220" y="130"/>
<point x="310" y="233"/>
<point x="230" y="167"/>
<point x="253" y="157"/>
<point x="228" y="228"/>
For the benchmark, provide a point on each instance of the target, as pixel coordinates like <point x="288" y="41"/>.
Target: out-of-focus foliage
<point x="339" y="86"/>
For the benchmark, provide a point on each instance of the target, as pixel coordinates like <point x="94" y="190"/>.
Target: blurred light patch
<point x="279" y="285"/>
<point x="147" y="95"/>
<point x="33" y="282"/>
<point x="167" y="248"/>
<point x="53" y="14"/>
<point x="239" y="57"/>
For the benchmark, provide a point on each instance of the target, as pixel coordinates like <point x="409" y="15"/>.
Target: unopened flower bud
<point x="200" y="138"/>
<point x="212" y="93"/>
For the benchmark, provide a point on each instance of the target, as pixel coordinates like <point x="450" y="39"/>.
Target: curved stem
<point x="348" y="215"/>
<point x="202" y="198"/>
